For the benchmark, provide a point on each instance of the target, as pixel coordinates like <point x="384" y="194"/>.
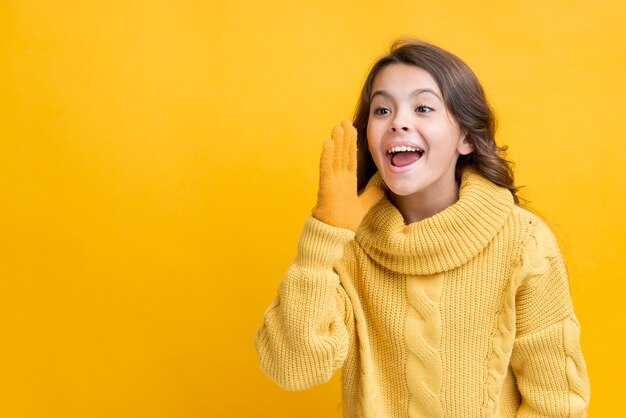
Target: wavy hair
<point x="464" y="98"/>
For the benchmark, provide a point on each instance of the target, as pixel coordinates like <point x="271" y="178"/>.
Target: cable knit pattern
<point x="531" y="263"/>
<point x="423" y="335"/>
<point x="498" y="362"/>
<point x="575" y="367"/>
<point x="464" y="314"/>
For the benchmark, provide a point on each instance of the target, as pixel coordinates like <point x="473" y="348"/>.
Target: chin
<point x="402" y="191"/>
<point x="402" y="187"/>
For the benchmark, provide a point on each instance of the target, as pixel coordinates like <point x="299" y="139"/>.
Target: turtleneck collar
<point x="442" y="242"/>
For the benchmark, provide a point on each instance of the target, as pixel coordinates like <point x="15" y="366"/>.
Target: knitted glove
<point x="337" y="201"/>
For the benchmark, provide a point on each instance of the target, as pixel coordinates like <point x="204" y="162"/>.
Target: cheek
<point x="373" y="133"/>
<point x="372" y="149"/>
<point x="370" y="137"/>
<point x="442" y="136"/>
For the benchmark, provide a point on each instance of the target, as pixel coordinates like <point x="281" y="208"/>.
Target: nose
<point x="399" y="127"/>
<point x="399" y="123"/>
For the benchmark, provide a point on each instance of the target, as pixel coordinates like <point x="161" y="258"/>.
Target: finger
<point x="337" y="137"/>
<point x="370" y="197"/>
<point x="347" y="139"/>
<point x="352" y="157"/>
<point x="326" y="161"/>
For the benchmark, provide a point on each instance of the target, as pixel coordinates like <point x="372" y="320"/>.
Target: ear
<point x="465" y="145"/>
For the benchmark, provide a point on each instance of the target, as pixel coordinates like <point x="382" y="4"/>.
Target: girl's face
<point x="413" y="139"/>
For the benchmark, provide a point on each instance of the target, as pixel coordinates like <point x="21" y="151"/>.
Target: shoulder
<point x="539" y="256"/>
<point x="539" y="236"/>
<point x="525" y="234"/>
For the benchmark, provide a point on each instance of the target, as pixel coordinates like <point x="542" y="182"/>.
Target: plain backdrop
<point x="158" y="160"/>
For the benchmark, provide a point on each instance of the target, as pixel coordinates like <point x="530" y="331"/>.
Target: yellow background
<point x="159" y="158"/>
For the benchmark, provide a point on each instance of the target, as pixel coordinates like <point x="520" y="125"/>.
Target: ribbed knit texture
<point x="464" y="314"/>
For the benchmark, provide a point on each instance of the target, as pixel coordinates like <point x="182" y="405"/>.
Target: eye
<point x="381" y="111"/>
<point x="424" y="109"/>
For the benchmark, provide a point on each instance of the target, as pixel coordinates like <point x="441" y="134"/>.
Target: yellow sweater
<point x="464" y="314"/>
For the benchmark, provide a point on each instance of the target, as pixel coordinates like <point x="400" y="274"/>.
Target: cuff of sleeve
<point x="321" y="246"/>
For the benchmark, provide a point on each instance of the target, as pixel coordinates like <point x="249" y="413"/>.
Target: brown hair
<point x="465" y="100"/>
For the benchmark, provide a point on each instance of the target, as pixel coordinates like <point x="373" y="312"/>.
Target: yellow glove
<point x="338" y="203"/>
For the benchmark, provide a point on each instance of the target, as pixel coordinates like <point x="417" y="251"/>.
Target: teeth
<point x="402" y="148"/>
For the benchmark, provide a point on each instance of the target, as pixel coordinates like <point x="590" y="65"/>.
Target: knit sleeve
<point x="305" y="332"/>
<point x="547" y="359"/>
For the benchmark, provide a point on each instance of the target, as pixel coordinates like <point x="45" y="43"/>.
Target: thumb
<point x="370" y="197"/>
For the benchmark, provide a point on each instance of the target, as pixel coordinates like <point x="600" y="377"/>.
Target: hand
<point x="338" y="203"/>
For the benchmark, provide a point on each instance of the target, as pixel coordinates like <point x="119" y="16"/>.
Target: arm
<point x="305" y="334"/>
<point x="547" y="359"/>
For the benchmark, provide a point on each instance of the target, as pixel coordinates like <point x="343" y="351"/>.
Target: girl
<point x="434" y="291"/>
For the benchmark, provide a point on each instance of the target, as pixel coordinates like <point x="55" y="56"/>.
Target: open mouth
<point x="400" y="156"/>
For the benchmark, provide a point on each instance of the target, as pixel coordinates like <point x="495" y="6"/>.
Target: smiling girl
<point x="433" y="289"/>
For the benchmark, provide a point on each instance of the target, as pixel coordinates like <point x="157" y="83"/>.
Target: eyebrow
<point x="416" y="92"/>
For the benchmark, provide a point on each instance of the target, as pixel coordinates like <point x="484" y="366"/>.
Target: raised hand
<point x="338" y="203"/>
